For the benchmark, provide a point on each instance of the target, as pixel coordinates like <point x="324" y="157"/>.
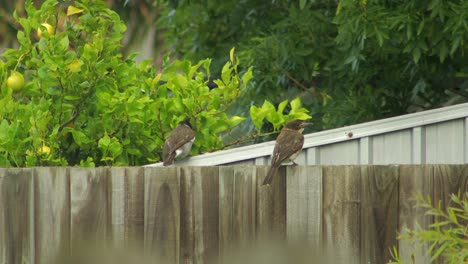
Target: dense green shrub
<point x="83" y="103"/>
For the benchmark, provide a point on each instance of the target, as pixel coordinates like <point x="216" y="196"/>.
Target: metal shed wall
<point x="437" y="136"/>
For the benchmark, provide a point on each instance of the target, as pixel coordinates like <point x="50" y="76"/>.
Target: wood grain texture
<point x="16" y="216"/>
<point x="304" y="204"/>
<point x="271" y="204"/>
<point x="52" y="212"/>
<point x="126" y="198"/>
<point x="196" y="214"/>
<point x="88" y="202"/>
<point x="199" y="211"/>
<point x="117" y="205"/>
<point x="413" y="180"/>
<point x="342" y="212"/>
<point x="237" y="207"/>
<point x="162" y="213"/>
<point x="379" y="212"/>
<point x="449" y="179"/>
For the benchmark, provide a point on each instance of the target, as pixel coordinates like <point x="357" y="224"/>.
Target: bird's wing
<point x="178" y="137"/>
<point x="166" y="151"/>
<point x="286" y="145"/>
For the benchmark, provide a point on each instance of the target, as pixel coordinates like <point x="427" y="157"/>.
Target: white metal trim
<point x="331" y="136"/>
<point x="418" y="146"/>
<point x="466" y="139"/>
<point x="313" y="156"/>
<point x="365" y="151"/>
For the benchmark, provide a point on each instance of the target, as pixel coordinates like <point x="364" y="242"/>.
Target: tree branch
<point x="459" y="92"/>
<point x="300" y="85"/>
<point x="244" y="139"/>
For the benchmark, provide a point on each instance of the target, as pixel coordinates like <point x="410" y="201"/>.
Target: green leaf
<point x="72" y="97"/>
<point x="134" y="151"/>
<point x="420" y="27"/>
<point x="452" y="215"/>
<point x="115" y="147"/>
<point x="302" y="4"/>
<point x="218" y="127"/>
<point x="89" y="162"/>
<point x="276" y="119"/>
<point x="4" y="162"/>
<point x="180" y="81"/>
<point x="22" y="38"/>
<point x="178" y="105"/>
<point x="409" y="32"/>
<point x="80" y="138"/>
<point x="4" y="132"/>
<point x="231" y="55"/>
<point x="248" y="75"/>
<point x="235" y="120"/>
<point x="135" y="120"/>
<point x="257" y="116"/>
<point x="226" y="73"/>
<point x="296" y="104"/>
<point x="300" y="116"/>
<point x="89" y="53"/>
<point x="193" y="69"/>
<point x="416" y="55"/>
<point x="440" y="250"/>
<point x="455" y="45"/>
<point x="379" y="38"/>
<point x="64" y="42"/>
<point x="443" y="52"/>
<point x="282" y="105"/>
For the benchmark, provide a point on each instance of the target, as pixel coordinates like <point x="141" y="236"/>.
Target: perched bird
<point x="179" y="142"/>
<point x="288" y="146"/>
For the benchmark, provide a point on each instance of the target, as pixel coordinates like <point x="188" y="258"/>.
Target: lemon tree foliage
<point x="76" y="100"/>
<point x="277" y="117"/>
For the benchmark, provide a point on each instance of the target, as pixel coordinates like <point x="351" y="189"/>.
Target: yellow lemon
<point x="44" y="150"/>
<point x="49" y="28"/>
<point x="15" y="81"/>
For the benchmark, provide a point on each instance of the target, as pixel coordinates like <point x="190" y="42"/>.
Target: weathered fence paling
<point x="198" y="214"/>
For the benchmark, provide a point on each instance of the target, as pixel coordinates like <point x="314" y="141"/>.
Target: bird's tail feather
<point x="271" y="172"/>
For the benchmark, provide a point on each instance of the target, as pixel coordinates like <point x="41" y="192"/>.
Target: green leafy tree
<point x="350" y="60"/>
<point x="84" y="103"/>
<point x="139" y="17"/>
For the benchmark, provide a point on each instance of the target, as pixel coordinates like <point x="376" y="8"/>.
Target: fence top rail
<point x="195" y="167"/>
<point x="331" y="136"/>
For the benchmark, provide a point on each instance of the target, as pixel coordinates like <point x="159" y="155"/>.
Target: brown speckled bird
<point x="179" y="142"/>
<point x="288" y="146"/>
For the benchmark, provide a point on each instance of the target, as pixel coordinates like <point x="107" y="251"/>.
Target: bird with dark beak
<point x="288" y="146"/>
<point x="179" y="142"/>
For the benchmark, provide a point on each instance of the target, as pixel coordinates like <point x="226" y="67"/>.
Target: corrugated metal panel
<point x="444" y="142"/>
<point x="344" y="153"/>
<point x="392" y="148"/>
<point x="430" y="137"/>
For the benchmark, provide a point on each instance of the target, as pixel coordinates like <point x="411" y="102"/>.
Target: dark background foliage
<point x="351" y="61"/>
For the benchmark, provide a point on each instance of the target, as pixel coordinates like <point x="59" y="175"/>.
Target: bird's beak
<point x="305" y="124"/>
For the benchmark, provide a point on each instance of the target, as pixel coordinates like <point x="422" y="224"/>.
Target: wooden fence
<point x="197" y="214"/>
